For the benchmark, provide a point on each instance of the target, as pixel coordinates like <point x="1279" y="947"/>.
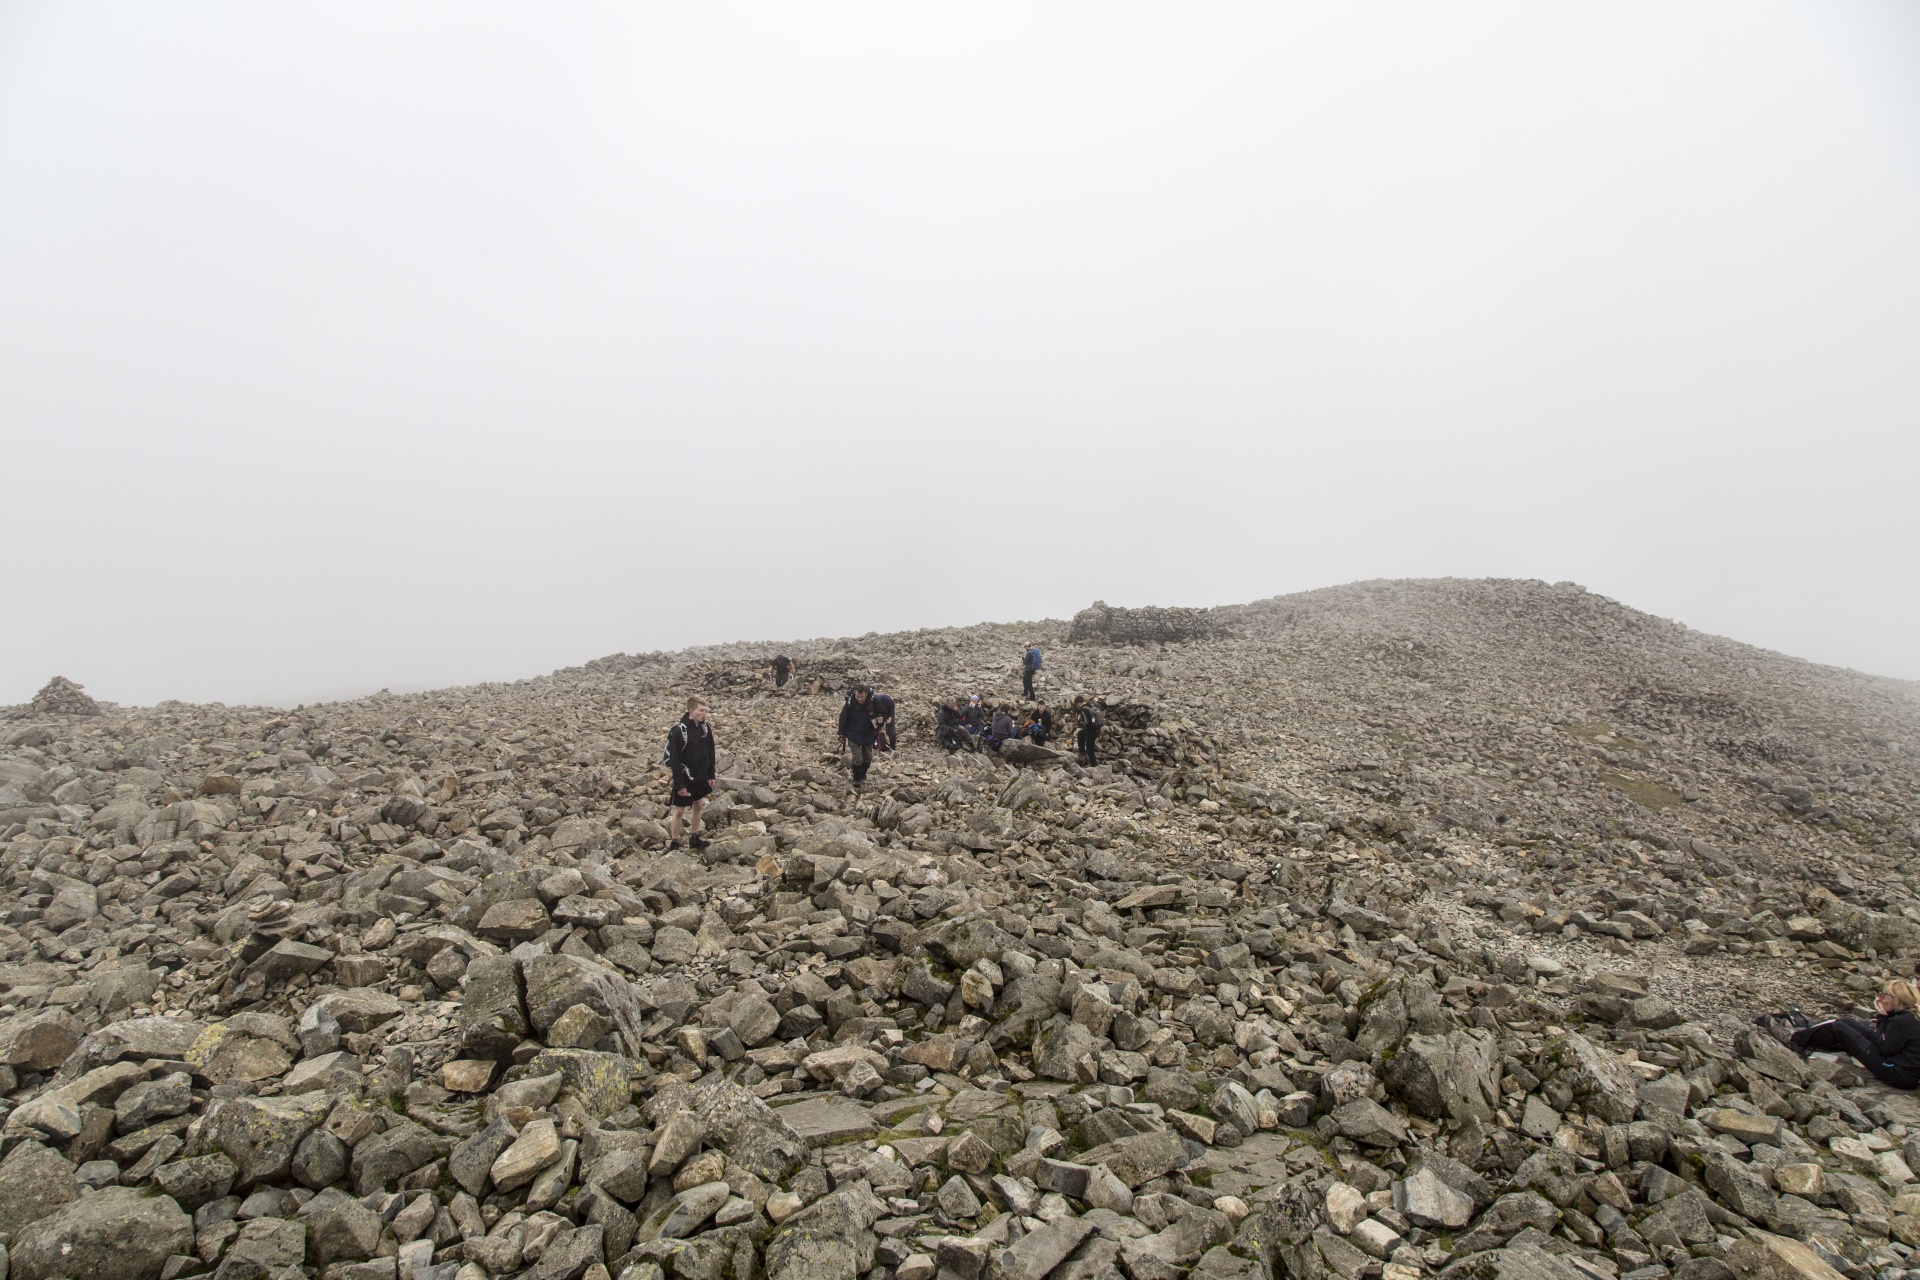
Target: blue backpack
<point x="1033" y="659"/>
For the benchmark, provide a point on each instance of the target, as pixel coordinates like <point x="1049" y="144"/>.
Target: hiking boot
<point x="696" y="841"/>
<point x="672" y="845"/>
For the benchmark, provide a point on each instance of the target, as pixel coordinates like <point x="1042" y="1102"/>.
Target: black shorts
<point x="695" y="791"/>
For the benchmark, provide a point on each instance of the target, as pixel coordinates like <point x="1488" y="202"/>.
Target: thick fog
<point x="350" y="346"/>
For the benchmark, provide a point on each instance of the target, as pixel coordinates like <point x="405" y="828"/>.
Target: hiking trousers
<point x="1853" y="1036"/>
<point x="1088" y="743"/>
<point x="860" y="756"/>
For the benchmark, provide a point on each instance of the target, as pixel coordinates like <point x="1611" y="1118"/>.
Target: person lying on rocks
<point x="1889" y="1046"/>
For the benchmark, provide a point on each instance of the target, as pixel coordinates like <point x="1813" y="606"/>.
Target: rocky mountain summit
<point x="1405" y="929"/>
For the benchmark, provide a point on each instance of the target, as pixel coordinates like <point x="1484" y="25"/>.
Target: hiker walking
<point x="857" y="732"/>
<point x="883" y="731"/>
<point x="782" y="670"/>
<point x="1087" y="740"/>
<point x="1029" y="668"/>
<point x="690" y="755"/>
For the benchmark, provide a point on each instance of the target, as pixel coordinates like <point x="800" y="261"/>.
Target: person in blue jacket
<point x="1029" y="668"/>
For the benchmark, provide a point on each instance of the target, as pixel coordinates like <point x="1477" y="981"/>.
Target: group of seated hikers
<point x="974" y="726"/>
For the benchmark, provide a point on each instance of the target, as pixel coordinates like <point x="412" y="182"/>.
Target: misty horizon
<point x="801" y="648"/>
<point x="356" y="348"/>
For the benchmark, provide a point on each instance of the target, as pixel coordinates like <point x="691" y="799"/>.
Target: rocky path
<point x="1406" y="928"/>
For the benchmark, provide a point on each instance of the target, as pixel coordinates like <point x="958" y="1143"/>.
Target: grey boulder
<point x="116" y="1233"/>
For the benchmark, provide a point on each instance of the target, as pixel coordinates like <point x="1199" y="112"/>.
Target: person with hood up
<point x="857" y="732"/>
<point x="691" y="757"/>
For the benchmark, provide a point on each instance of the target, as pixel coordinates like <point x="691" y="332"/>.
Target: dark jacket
<point x="1045" y="720"/>
<point x="1089" y="719"/>
<point x="856" y="721"/>
<point x="945" y="717"/>
<point x="1002" y="726"/>
<point x="973" y="716"/>
<point x="690" y="753"/>
<point x="1897" y="1036"/>
<point x="882" y="705"/>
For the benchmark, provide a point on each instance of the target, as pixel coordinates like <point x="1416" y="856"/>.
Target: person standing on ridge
<point x="782" y="669"/>
<point x="883" y="731"/>
<point x="1088" y="738"/>
<point x="691" y="757"/>
<point x="857" y="732"/>
<point x="1029" y="668"/>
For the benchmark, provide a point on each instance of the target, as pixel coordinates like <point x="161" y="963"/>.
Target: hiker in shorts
<point x="883" y="731"/>
<point x="1087" y="740"/>
<point x="1029" y="668"/>
<point x="690" y="755"/>
<point x="857" y="733"/>
<point x="782" y="671"/>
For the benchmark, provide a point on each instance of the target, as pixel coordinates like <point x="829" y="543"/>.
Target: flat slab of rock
<point x="1039" y="1252"/>
<point x="1764" y="1256"/>
<point x="1156" y="896"/>
<point x="824" y="1122"/>
<point x="154" y="1037"/>
<point x="1139" y="1159"/>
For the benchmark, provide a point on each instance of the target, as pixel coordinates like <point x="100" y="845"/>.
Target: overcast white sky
<point x="359" y="345"/>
